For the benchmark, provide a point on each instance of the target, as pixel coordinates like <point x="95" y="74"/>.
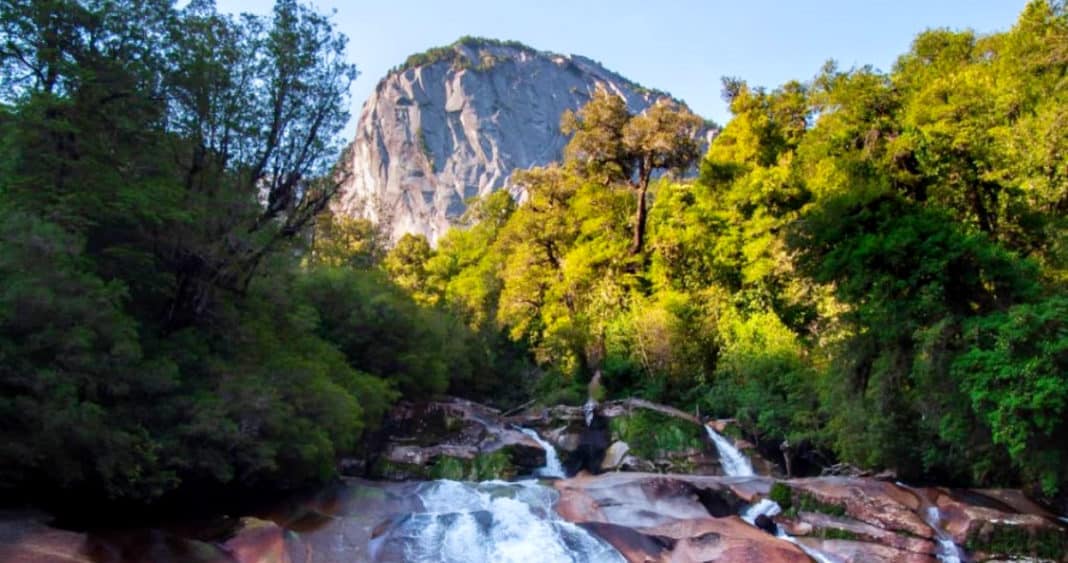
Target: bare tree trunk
<point x="638" y="241"/>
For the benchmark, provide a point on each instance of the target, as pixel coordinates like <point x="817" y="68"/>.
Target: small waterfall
<point x="769" y="508"/>
<point x="734" y="462"/>
<point x="490" y="521"/>
<point x="766" y="507"/>
<point x="552" y="467"/>
<point x="948" y="552"/>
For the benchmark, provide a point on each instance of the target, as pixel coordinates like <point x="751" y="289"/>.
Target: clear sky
<point x="681" y="46"/>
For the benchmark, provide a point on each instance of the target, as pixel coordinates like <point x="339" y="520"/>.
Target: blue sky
<point x="681" y="46"/>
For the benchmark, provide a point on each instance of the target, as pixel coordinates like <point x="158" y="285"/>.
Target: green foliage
<point x="457" y="58"/>
<point x="782" y="494"/>
<point x="1045" y="543"/>
<point x="382" y="331"/>
<point x="837" y="534"/>
<point x="170" y="320"/>
<point x="871" y="264"/>
<point x="446" y="467"/>
<point x="1015" y="371"/>
<point x="650" y="434"/>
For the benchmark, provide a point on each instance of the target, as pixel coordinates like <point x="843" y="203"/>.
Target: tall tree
<point x="613" y="145"/>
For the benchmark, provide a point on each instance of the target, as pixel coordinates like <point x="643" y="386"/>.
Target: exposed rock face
<point x="434" y="134"/>
<point x="454" y="439"/>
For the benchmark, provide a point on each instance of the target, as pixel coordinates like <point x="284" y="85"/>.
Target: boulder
<point x="849" y="551"/>
<point x="24" y="538"/>
<point x="258" y="541"/>
<point x="725" y="539"/>
<point x="993" y="528"/>
<point x="645" y="500"/>
<point x="878" y="503"/>
<point x="614" y="455"/>
<point x="820" y="525"/>
<point x="453" y="438"/>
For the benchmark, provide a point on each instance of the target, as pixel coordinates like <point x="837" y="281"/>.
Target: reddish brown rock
<point x="848" y="551"/>
<point x="878" y="503"/>
<point x="724" y="539"/>
<point x="646" y="499"/>
<point x="29" y="541"/>
<point x="817" y="524"/>
<point x="258" y="541"/>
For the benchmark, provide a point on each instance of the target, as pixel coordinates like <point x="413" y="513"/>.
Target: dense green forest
<point x="162" y="322"/>
<point x="870" y="265"/>
<point x="873" y="266"/>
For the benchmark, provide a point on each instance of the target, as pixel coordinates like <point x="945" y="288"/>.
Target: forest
<point x="870" y="266"/>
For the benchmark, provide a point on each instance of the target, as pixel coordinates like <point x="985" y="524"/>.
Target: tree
<point x="614" y="146"/>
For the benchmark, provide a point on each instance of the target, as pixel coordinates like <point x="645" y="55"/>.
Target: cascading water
<point x="948" y="552"/>
<point x="552" y="467"/>
<point x="489" y="521"/>
<point x="734" y="462"/>
<point x="769" y="508"/>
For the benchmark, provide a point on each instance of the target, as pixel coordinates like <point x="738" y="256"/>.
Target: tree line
<point x="869" y="265"/>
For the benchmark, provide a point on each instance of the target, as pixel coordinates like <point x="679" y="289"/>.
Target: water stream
<point x="552" y="467"/>
<point x="948" y="551"/>
<point x="734" y="462"/>
<point x="489" y="521"/>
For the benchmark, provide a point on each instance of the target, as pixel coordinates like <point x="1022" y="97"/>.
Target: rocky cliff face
<point x="453" y="123"/>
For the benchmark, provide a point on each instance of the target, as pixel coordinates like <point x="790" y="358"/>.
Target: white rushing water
<point x="553" y="467"/>
<point x="492" y="521"/>
<point x="734" y="462"/>
<point x="769" y="508"/>
<point x="948" y="552"/>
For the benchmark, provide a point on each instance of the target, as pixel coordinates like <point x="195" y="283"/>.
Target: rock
<point x="849" y="551"/>
<point x="593" y="441"/>
<point x="637" y="464"/>
<point x="644" y="499"/>
<point x="994" y="528"/>
<point x="258" y="541"/>
<point x="635" y="546"/>
<point x="725" y="539"/>
<point x="24" y="538"/>
<point x="764" y="522"/>
<point x="819" y="525"/>
<point x="27" y="538"/>
<point x="433" y="135"/>
<point x="614" y="455"/>
<point x="881" y="504"/>
<point x="453" y="438"/>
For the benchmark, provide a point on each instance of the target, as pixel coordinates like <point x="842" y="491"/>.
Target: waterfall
<point x="948" y="552"/>
<point x="552" y="467"/>
<point x="489" y="521"/>
<point x="734" y="462"/>
<point x="769" y="508"/>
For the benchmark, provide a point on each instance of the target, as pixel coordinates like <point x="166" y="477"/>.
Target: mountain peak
<point x="453" y="122"/>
